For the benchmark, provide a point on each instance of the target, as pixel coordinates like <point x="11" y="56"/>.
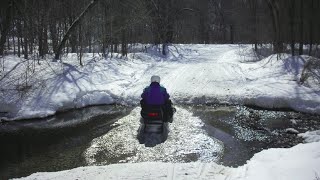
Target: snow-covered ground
<point x="197" y="74"/>
<point x="193" y="74"/>
<point x="299" y="162"/>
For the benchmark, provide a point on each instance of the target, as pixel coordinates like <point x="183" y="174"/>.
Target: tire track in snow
<point x="193" y="79"/>
<point x="203" y="79"/>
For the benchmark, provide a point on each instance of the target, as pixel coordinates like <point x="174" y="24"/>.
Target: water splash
<point x="187" y="141"/>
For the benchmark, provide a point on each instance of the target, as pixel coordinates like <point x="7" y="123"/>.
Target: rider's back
<point x="155" y="94"/>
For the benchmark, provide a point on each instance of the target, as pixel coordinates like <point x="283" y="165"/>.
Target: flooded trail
<point x="187" y="141"/>
<point x="228" y="135"/>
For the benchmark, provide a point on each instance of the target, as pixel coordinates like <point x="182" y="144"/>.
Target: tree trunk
<point x="231" y="34"/>
<point x="8" y="42"/>
<point x="73" y="27"/>
<point x="81" y="45"/>
<point x="90" y="43"/>
<point x="124" y="43"/>
<point x="292" y="18"/>
<point x="164" y="49"/>
<point x="253" y="4"/>
<point x="25" y="40"/>
<point x="53" y="35"/>
<point x="14" y="44"/>
<point x="19" y="37"/>
<point x="45" y="40"/>
<point x="115" y="45"/>
<point x="301" y="28"/>
<point x="274" y="9"/>
<point x="311" y="17"/>
<point x="40" y="41"/>
<point x="6" y="26"/>
<point x="73" y="38"/>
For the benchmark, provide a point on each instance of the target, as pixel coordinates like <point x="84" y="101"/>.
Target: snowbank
<point x="299" y="162"/>
<point x="311" y="136"/>
<point x="195" y="74"/>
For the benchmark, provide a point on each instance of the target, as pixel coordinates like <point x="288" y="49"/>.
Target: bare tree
<point x="6" y="22"/>
<point x="73" y="26"/>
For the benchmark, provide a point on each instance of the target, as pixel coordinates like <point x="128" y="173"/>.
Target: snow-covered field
<point x="192" y="74"/>
<point x="195" y="74"/>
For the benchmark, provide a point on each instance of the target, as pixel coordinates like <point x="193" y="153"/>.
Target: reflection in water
<point x="246" y="131"/>
<point x="216" y="124"/>
<point x="54" y="143"/>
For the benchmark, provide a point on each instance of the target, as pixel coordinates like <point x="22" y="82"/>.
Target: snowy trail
<point x="192" y="74"/>
<point x="187" y="141"/>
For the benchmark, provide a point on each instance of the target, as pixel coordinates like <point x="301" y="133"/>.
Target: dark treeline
<point x="60" y="26"/>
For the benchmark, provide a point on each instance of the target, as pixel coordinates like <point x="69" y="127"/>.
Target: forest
<point x="34" y="28"/>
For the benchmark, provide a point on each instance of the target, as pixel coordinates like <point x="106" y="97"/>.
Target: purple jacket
<point x="155" y="94"/>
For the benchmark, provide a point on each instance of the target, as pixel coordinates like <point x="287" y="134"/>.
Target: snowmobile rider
<point x="154" y="95"/>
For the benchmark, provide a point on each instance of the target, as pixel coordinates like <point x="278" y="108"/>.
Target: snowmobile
<point x="154" y="126"/>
